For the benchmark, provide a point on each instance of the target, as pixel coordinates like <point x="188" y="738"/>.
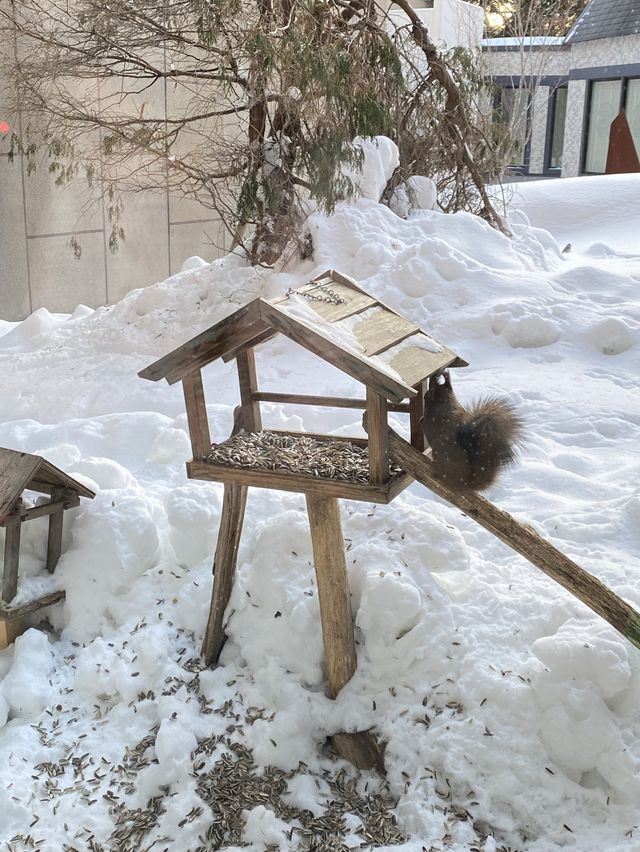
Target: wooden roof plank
<point x="382" y="330"/>
<point x="197" y="352"/>
<point x="16" y="470"/>
<point x="20" y="471"/>
<point x="267" y="334"/>
<point x="354" y="299"/>
<point x="350" y="362"/>
<point x="415" y="364"/>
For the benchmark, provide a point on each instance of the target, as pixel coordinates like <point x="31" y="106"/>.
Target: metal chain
<point x="329" y="296"/>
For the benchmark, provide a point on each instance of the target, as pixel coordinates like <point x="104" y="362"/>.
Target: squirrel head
<point x="439" y="388"/>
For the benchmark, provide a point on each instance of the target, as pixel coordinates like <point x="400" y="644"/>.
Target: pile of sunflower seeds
<point x="235" y="785"/>
<point x="296" y="454"/>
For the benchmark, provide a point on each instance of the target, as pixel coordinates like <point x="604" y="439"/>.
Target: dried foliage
<point x="248" y="107"/>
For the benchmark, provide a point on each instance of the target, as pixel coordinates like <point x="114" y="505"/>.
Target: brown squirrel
<point x="469" y="446"/>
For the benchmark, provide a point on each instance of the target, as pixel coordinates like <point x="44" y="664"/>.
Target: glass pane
<point x="632" y="107"/>
<point x="605" y="105"/>
<point x="557" y="132"/>
<point x="514" y="106"/>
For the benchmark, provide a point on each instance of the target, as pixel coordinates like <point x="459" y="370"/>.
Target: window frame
<point x="549" y="170"/>
<point x="623" y="79"/>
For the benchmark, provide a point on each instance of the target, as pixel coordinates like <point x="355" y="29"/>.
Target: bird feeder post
<point x="338" y="638"/>
<point x="250" y="407"/>
<point x="197" y="415"/>
<point x="54" y="539"/>
<point x="11" y="556"/>
<point x="378" y="429"/>
<point x="224" y="568"/>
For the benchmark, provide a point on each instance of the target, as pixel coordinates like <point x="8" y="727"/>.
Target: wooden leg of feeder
<point x="224" y="567"/>
<point x="54" y="542"/>
<point x="9" y="630"/>
<point x="11" y="556"/>
<point x="337" y="622"/>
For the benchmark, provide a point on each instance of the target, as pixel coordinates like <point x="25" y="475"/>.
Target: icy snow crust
<point x="511" y="712"/>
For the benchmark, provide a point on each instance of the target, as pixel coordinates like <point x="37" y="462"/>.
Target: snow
<point x="523" y="42"/>
<point x="510" y="712"/>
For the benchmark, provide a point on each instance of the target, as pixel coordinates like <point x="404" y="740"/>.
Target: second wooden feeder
<point x="391" y="356"/>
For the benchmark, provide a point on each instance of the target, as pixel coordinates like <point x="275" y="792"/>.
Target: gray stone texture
<point x="606" y="19"/>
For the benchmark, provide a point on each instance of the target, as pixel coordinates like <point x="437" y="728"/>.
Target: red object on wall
<point x="622" y="156"/>
<point x="4" y="128"/>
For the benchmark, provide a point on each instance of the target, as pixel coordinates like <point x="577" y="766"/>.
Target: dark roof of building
<point x="606" y="19"/>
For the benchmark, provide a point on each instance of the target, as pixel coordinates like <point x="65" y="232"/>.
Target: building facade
<point x="560" y="95"/>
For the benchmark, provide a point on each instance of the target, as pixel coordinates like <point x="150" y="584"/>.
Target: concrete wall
<point x="38" y="219"/>
<point x="453" y="23"/>
<point x="38" y="267"/>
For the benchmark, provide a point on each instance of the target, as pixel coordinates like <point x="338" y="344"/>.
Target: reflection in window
<point x="513" y="107"/>
<point x="558" y="117"/>
<point x="632" y="107"/>
<point x="604" y="107"/>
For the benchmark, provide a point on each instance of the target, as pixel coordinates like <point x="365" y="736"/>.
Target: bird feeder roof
<point x="21" y="471"/>
<point x="333" y="317"/>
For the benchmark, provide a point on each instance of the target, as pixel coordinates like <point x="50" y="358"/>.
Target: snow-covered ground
<point x="510" y="711"/>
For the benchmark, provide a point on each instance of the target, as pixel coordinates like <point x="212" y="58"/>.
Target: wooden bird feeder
<point x="20" y="472"/>
<point x="393" y="358"/>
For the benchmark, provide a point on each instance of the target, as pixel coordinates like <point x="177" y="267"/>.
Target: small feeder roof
<point x="20" y="471"/>
<point x="334" y="318"/>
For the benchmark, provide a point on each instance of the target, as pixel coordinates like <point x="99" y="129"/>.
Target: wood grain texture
<point x="54" y="537"/>
<point x="361" y="749"/>
<point x="325" y="401"/>
<point x="246" y="363"/>
<point x="355" y="300"/>
<point x="378" y="430"/>
<point x="267" y="334"/>
<point x="299" y="483"/>
<point x="11" y="613"/>
<point x="352" y="363"/>
<point x="197" y="415"/>
<point x="224" y="567"/>
<point x="195" y="353"/>
<point x="333" y="590"/>
<point x="24" y="471"/>
<point x="381" y="330"/>
<point x="9" y="631"/>
<point x="11" y="558"/>
<point x="16" y="470"/>
<point x="525" y="541"/>
<point x="68" y="501"/>
<point x="415" y="364"/>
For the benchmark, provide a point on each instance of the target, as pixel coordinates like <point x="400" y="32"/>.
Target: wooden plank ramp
<point x="525" y="541"/>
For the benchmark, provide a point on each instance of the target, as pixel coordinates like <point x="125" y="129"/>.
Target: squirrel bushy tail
<point x="469" y="446"/>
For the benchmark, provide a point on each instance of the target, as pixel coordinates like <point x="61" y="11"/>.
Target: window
<point x="608" y="97"/>
<point x="603" y="108"/>
<point x="513" y="111"/>
<point x="632" y="107"/>
<point x="556" y="138"/>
